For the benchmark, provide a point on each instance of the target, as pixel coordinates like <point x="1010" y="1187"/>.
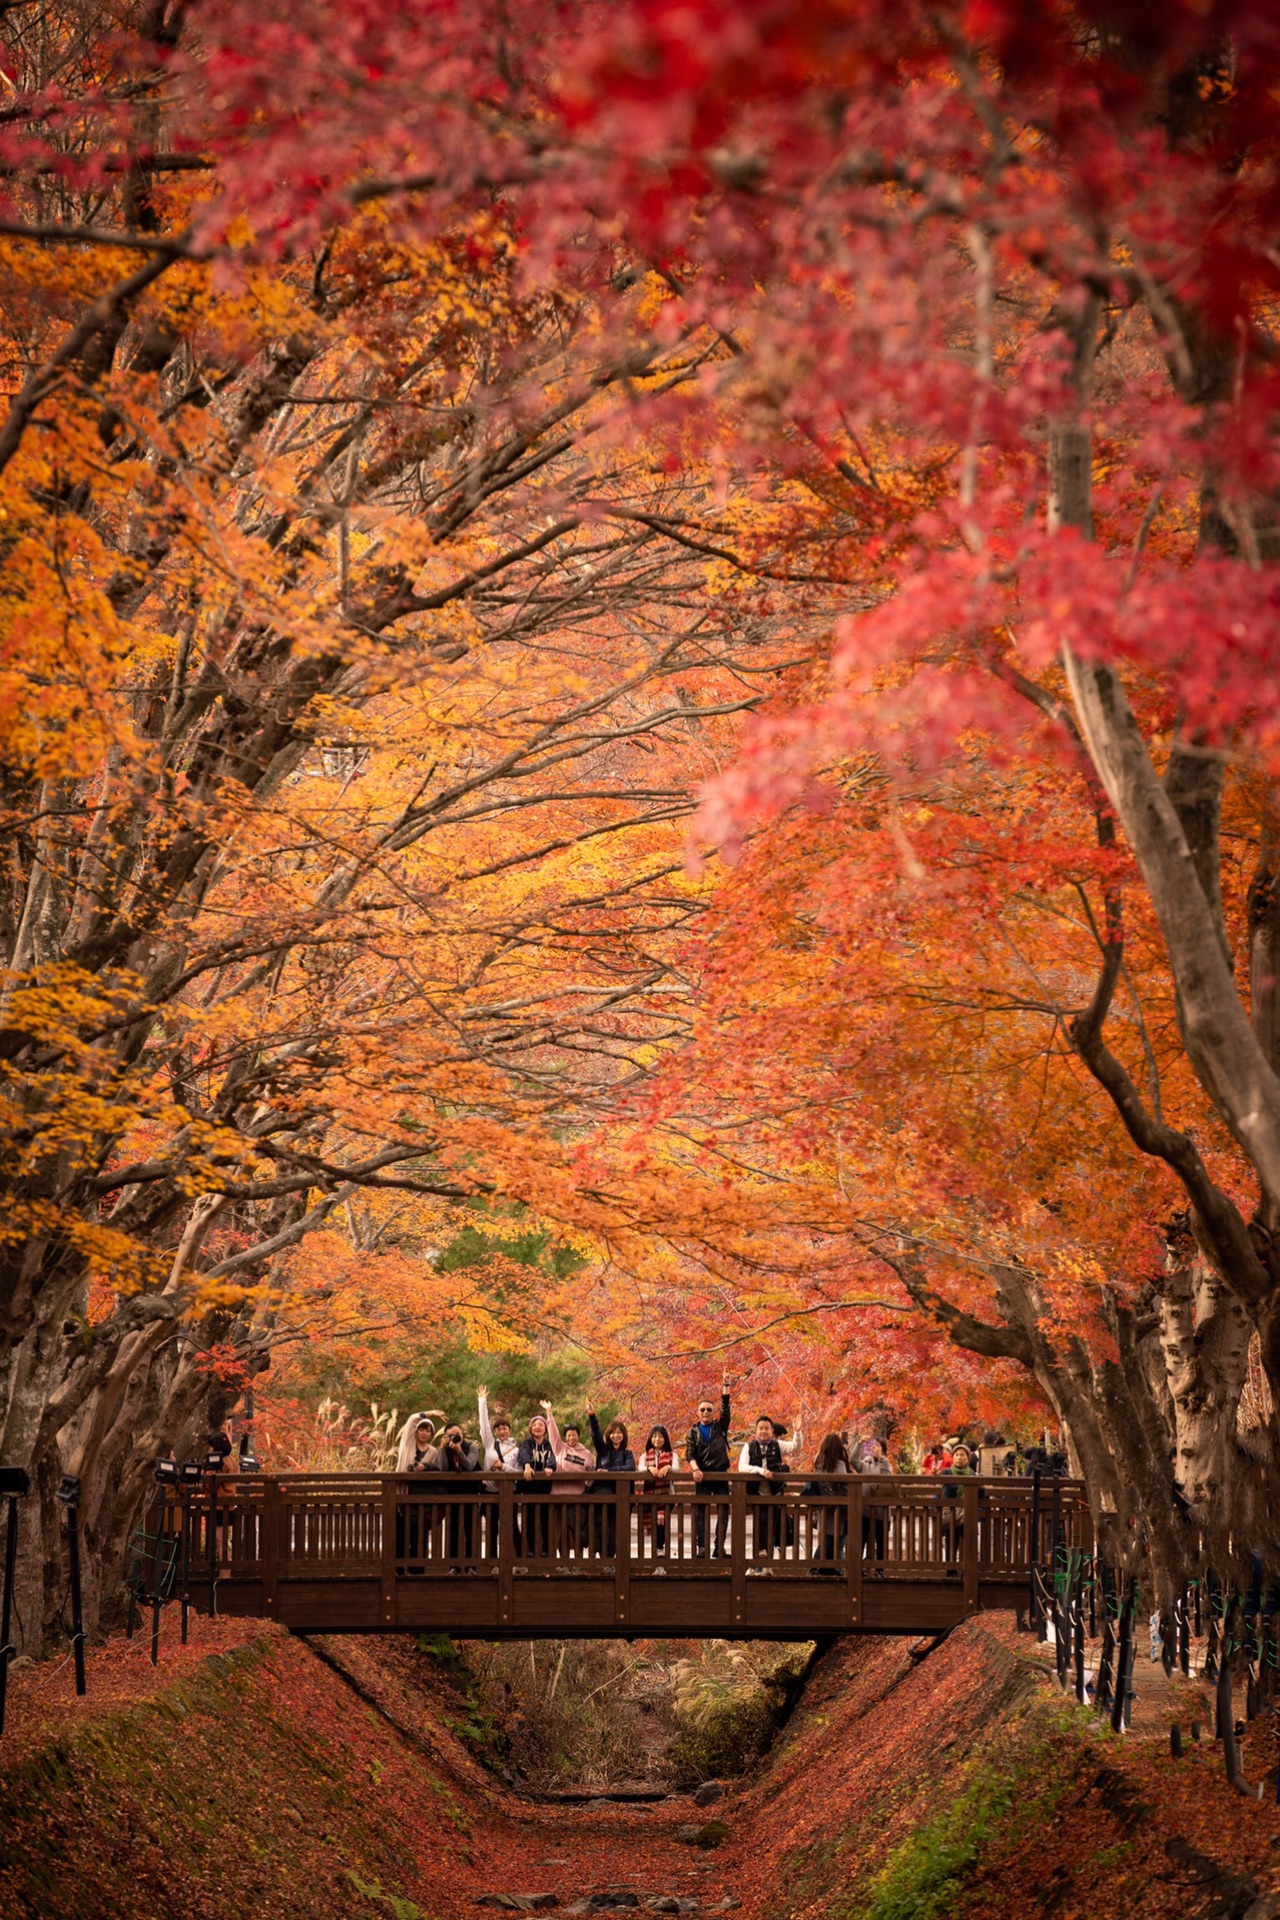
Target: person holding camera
<point x="457" y="1454"/>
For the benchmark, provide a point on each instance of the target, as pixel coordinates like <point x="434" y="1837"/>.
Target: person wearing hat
<point x="417" y="1453"/>
<point x="414" y="1519"/>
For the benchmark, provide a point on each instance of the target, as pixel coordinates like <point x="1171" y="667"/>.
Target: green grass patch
<point x="399" y="1908"/>
<point x="928" y="1876"/>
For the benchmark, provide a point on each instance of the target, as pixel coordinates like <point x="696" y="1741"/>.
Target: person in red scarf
<point x="658" y="1461"/>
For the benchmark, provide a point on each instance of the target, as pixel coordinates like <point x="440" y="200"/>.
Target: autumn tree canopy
<point x="441" y="452"/>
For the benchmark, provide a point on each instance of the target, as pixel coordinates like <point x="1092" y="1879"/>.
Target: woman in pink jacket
<point x="572" y="1458"/>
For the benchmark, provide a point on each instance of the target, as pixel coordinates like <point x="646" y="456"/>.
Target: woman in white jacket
<point x="500" y="1450"/>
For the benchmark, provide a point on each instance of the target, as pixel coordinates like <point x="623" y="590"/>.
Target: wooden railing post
<point x="272" y="1544"/>
<point x="737" y="1549"/>
<point x="506" y="1547"/>
<point x="389" y="1550"/>
<point x="853" y="1555"/>
<point x="622" y="1501"/>
<point x="970" y="1493"/>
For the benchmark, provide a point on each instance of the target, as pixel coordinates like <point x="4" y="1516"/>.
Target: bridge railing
<point x="352" y="1528"/>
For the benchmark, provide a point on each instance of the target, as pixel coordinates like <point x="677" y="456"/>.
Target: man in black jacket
<point x="707" y="1451"/>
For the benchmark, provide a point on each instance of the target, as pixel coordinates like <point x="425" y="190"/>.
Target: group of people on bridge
<point x="550" y="1463"/>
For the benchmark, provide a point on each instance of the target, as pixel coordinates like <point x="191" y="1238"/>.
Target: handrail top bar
<point x="795" y="1477"/>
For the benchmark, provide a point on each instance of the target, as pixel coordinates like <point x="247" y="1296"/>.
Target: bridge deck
<point x="498" y="1558"/>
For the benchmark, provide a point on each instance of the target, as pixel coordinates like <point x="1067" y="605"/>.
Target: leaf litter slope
<point x="247" y="1770"/>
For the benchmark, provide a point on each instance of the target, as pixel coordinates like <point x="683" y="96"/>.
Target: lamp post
<point x="68" y="1497"/>
<point x="15" y="1482"/>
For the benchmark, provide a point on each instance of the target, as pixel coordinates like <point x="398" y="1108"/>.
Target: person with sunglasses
<point x="707" y="1451"/>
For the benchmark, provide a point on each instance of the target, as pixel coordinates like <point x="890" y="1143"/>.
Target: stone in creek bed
<point x="607" y="1902"/>
<point x="708" y="1793"/>
<point x="709" y="1835"/>
<point x="519" y="1902"/>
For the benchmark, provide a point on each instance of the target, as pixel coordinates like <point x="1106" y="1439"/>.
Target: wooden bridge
<point x="496" y="1557"/>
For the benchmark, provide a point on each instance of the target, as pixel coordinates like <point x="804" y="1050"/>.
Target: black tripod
<point x="15" y="1483"/>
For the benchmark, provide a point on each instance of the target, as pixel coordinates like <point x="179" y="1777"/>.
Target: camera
<point x="68" y="1493"/>
<point x="1041" y="1460"/>
<point x="14" y="1481"/>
